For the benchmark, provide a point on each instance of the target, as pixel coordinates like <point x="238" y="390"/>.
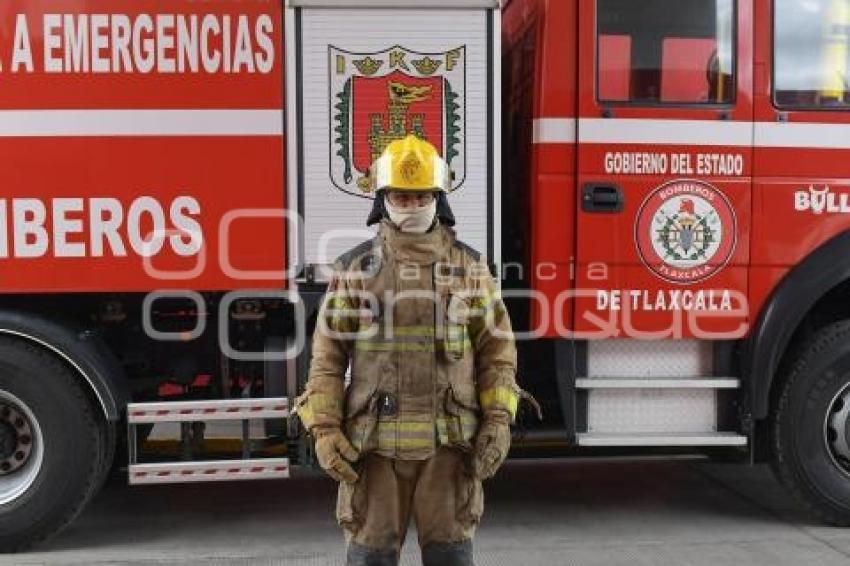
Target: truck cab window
<point x="812" y="53"/>
<point x="665" y="51"/>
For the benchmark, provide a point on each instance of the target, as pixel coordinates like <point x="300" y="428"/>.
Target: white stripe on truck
<point x="111" y="123"/>
<point x="693" y="132"/>
<point x="803" y="135"/>
<point x="554" y="130"/>
<point x="672" y="132"/>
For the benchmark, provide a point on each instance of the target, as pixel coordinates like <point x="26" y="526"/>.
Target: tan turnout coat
<point x="419" y="322"/>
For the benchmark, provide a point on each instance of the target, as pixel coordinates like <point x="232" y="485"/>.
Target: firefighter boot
<point x="448" y="554"/>
<point x="359" y="555"/>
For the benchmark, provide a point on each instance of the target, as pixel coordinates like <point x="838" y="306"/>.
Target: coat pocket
<point x="464" y="393"/>
<point x="456" y="342"/>
<point x="361" y="414"/>
<point x="460" y="416"/>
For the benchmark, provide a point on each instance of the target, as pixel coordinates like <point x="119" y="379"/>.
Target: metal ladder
<point x="188" y="412"/>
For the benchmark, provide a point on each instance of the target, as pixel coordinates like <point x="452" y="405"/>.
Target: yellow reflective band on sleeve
<point x="306" y="415"/>
<point x="343" y="325"/>
<point x="342" y="313"/>
<point x="317" y="404"/>
<point x="341" y="316"/>
<point x="501" y="398"/>
<point x="482" y="301"/>
<point x="337" y="302"/>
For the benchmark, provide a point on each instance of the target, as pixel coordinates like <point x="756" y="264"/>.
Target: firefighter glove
<point x="491" y="444"/>
<point x="335" y="454"/>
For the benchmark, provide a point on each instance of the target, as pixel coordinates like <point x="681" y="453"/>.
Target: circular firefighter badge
<point x="685" y="231"/>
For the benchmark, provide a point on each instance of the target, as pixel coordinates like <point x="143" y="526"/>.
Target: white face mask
<point x="415" y="220"/>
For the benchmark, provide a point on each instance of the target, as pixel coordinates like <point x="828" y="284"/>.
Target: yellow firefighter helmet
<point x="410" y="164"/>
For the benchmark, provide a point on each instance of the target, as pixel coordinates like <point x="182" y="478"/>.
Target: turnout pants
<point x="439" y="494"/>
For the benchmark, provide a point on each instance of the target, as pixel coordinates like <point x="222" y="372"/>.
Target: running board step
<point x="194" y="470"/>
<point x="658" y="383"/>
<point x="216" y="410"/>
<point x="661" y="439"/>
<point x="213" y="470"/>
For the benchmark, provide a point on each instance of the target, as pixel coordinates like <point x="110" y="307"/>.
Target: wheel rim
<point x="21" y="447"/>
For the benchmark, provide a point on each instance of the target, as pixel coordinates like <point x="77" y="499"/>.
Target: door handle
<point x="602" y="197"/>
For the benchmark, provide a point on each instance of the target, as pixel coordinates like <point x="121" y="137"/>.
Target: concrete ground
<point x="539" y="513"/>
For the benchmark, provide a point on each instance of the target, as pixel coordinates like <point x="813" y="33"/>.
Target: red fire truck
<point x="661" y="188"/>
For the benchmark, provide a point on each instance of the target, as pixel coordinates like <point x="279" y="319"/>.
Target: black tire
<point x="108" y="450"/>
<point x="803" y="456"/>
<point x="76" y="454"/>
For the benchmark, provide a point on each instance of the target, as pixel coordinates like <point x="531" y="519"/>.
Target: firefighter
<point x="426" y="415"/>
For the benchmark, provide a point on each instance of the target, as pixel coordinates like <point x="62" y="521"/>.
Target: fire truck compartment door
<point x="367" y="76"/>
<point x="665" y="135"/>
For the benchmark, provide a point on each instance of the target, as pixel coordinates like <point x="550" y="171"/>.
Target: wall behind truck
<point x="133" y="133"/>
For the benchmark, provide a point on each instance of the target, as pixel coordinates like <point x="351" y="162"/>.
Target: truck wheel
<point x="811" y="426"/>
<point x="108" y="448"/>
<point x="52" y="448"/>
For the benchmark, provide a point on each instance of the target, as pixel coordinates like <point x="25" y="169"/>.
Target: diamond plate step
<point x="661" y="439"/>
<point x="658" y="383"/>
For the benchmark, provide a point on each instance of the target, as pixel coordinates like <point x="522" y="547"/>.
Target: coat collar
<point x="425" y="248"/>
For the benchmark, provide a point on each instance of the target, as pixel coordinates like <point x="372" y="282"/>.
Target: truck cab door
<point x="801" y="180"/>
<point x="664" y="168"/>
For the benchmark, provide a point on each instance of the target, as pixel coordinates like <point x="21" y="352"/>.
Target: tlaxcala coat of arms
<point x="377" y="98"/>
